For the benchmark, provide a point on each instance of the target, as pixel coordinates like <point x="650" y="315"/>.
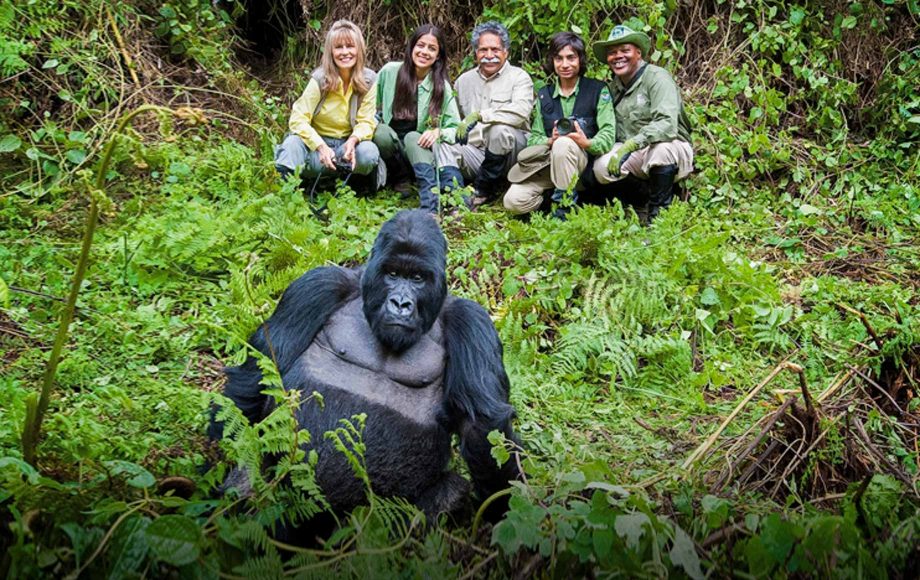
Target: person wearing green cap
<point x="653" y="133"/>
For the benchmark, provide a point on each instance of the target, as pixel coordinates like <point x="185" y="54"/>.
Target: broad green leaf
<point x="75" y="156"/>
<point x="716" y="510"/>
<point x="777" y="537"/>
<point x="683" y="554"/>
<point x="603" y="542"/>
<point x="128" y="548"/>
<point x="32" y="476"/>
<point x="631" y="527"/>
<point x="174" y="539"/>
<point x="4" y="294"/>
<point x="499" y="452"/>
<point x="136" y="476"/>
<point x="709" y="297"/>
<point x="9" y="143"/>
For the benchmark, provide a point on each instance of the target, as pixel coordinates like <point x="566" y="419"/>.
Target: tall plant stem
<point x="35" y="413"/>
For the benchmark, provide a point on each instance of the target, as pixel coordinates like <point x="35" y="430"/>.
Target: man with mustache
<point x="495" y="101"/>
<point x="653" y="133"/>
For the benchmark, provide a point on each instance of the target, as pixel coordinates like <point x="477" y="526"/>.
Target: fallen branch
<point x="865" y="322"/>
<point x="702" y="449"/>
<point x="129" y="62"/>
<point x="724" y="480"/>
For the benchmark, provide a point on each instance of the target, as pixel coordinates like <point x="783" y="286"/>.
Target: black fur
<point x="301" y="312"/>
<point x="404" y="293"/>
<point x="408" y="243"/>
<point x="476" y="393"/>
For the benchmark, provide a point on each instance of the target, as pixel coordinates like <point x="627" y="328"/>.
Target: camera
<point x="566" y="125"/>
<point x="342" y="165"/>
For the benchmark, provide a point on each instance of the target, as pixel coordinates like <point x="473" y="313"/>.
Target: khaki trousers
<point x="567" y="161"/>
<point x="499" y="139"/>
<point x="639" y="162"/>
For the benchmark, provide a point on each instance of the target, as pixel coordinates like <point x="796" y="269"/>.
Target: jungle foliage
<point x="731" y="392"/>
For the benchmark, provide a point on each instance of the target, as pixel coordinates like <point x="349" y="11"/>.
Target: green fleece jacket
<point x="650" y="109"/>
<point x="386" y="91"/>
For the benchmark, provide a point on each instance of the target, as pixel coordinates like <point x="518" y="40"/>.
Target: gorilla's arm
<point x="476" y="392"/>
<point x="303" y="309"/>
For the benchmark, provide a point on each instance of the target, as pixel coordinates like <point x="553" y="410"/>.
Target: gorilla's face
<point x="404" y="283"/>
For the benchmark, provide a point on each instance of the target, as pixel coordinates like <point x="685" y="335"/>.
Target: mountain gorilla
<point x="387" y="340"/>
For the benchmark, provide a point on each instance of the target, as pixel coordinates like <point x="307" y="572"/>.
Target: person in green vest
<point x="418" y="110"/>
<point x="653" y="133"/>
<point x="573" y="123"/>
<point x="332" y="123"/>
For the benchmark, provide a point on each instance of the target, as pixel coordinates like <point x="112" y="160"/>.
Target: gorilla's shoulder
<point x="326" y="283"/>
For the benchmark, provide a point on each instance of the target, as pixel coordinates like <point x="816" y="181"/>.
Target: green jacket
<point x="601" y="143"/>
<point x="386" y="91"/>
<point x="650" y="110"/>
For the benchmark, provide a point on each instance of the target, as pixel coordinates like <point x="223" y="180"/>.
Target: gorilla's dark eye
<point x="392" y="274"/>
<point x="417" y="278"/>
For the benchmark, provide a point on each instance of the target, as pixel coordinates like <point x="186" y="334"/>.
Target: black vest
<point x="585" y="109"/>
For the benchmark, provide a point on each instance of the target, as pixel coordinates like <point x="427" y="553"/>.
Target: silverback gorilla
<point x="389" y="341"/>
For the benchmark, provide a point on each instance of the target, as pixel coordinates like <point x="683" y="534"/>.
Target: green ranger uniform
<point x="650" y="110"/>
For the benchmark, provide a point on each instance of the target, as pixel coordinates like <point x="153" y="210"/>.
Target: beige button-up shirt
<point x="505" y="98"/>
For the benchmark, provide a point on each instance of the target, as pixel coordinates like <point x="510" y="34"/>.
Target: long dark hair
<point x="405" y="102"/>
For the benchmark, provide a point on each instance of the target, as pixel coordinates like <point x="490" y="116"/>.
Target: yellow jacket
<point x="333" y="118"/>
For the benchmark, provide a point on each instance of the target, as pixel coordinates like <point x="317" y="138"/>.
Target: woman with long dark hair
<point x="417" y="109"/>
<point x="332" y="123"/>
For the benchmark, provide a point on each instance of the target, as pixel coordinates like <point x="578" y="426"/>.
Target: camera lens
<point x="564" y="126"/>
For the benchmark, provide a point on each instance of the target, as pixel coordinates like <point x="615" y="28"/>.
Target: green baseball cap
<point x="622" y="34"/>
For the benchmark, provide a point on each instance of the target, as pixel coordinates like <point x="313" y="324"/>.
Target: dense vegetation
<point x="731" y="392"/>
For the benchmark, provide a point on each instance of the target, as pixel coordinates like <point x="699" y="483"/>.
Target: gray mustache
<point x="488" y="60"/>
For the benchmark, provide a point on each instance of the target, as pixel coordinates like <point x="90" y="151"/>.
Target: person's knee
<point x="565" y="146"/>
<point x="448" y="155"/>
<point x="386" y="141"/>
<point x="415" y="152"/>
<point x="521" y="199"/>
<point x="511" y="201"/>
<point x="411" y="139"/>
<point x="291" y="153"/>
<point x="501" y="139"/>
<point x="367" y="156"/>
<point x="600" y="168"/>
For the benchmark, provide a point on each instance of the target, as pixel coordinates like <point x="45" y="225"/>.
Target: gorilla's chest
<point x="345" y="356"/>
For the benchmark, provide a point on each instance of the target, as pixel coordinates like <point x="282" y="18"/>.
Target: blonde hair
<point x="347" y="30"/>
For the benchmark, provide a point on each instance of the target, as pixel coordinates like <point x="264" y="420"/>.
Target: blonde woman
<point x="332" y="123"/>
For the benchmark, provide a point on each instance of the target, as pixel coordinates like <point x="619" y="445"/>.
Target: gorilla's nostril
<point x="401" y="304"/>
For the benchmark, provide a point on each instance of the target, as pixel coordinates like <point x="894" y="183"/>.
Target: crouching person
<point x="653" y="133"/>
<point x="495" y="100"/>
<point x="418" y="110"/>
<point x="332" y="123"/>
<point x="573" y="123"/>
